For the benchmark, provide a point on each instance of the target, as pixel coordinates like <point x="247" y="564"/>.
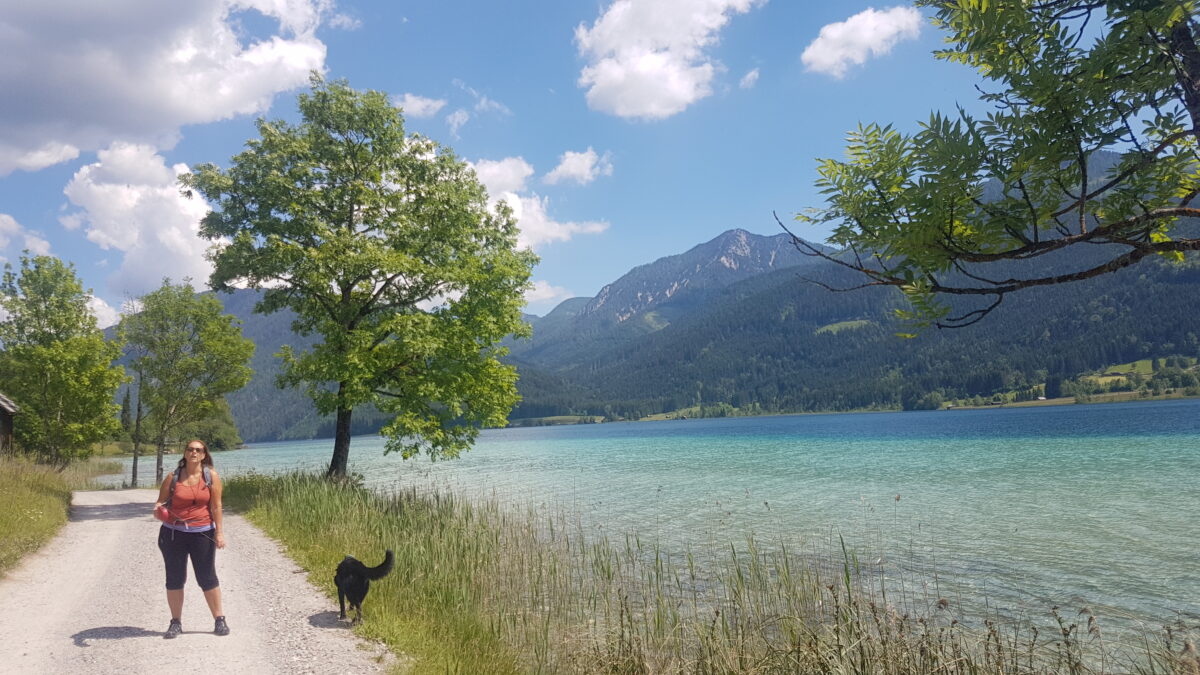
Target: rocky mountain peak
<point x="726" y="259"/>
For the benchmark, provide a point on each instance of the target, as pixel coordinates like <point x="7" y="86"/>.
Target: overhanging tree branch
<point x="1061" y="146"/>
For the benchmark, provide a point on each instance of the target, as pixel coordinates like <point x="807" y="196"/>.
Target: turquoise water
<point x="1023" y="508"/>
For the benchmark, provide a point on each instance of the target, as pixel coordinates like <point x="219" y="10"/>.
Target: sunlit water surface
<point x="1021" y="508"/>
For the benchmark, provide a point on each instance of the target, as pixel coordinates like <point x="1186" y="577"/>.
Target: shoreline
<point x="585" y="584"/>
<point x="1096" y="399"/>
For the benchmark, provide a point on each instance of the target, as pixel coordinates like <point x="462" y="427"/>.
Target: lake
<point x="1021" y="508"/>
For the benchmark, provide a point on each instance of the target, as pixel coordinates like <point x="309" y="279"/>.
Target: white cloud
<point x="9" y="229"/>
<point x="485" y="104"/>
<point x="581" y="167"/>
<point x="20" y="239"/>
<point x="33" y="159"/>
<point x="749" y="79"/>
<point x="71" y="221"/>
<point x="482" y="103"/>
<point x="345" y="22"/>
<point x="36" y="245"/>
<point x="647" y="58"/>
<point x="869" y="33"/>
<point x="543" y="292"/>
<point x="130" y="202"/>
<point x="105" y="314"/>
<point x="456" y="120"/>
<point x="538" y="228"/>
<point x="419" y="106"/>
<point x="505" y="175"/>
<point x="91" y="73"/>
<point x="505" y="182"/>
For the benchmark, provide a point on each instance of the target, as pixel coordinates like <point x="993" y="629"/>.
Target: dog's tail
<point x="382" y="569"/>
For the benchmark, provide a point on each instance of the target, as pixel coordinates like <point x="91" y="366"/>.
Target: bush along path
<point x="93" y="600"/>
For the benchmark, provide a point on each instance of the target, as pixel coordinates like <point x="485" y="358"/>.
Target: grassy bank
<point x="34" y="502"/>
<point x="478" y="588"/>
<point x="116" y="449"/>
<point x="428" y="607"/>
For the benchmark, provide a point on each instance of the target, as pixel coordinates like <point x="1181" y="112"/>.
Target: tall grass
<point x="116" y="449"/>
<point x="34" y="502"/>
<point x="478" y="588"/>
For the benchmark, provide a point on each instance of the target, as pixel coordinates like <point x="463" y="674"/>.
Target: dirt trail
<point x="92" y="601"/>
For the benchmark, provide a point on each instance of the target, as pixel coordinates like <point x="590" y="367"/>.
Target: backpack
<point x="206" y="472"/>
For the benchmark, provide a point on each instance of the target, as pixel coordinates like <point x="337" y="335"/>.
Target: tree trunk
<point x="158" y="467"/>
<point x="133" y="473"/>
<point x="1183" y="42"/>
<point x="137" y="438"/>
<point x="341" y="441"/>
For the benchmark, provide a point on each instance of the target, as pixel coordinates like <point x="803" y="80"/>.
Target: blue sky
<point x="620" y="131"/>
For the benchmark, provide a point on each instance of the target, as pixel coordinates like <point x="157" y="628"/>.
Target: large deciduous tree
<point x="187" y="356"/>
<point x="55" y="363"/>
<point x="1090" y="145"/>
<point x="384" y="245"/>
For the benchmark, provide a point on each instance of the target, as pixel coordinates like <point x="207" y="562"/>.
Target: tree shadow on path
<point x="81" y="512"/>
<point x="112" y="633"/>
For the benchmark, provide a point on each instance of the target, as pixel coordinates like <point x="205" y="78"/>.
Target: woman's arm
<point x="164" y="492"/>
<point x="214" y="506"/>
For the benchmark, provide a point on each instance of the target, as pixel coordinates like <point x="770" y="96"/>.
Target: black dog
<point x="353" y="580"/>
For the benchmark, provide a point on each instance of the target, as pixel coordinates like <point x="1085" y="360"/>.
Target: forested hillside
<point x="650" y="297"/>
<point x="757" y="337"/>
<point x="779" y="343"/>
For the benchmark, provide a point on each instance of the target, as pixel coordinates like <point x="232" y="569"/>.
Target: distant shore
<point x="692" y="413"/>
<point x="125" y="449"/>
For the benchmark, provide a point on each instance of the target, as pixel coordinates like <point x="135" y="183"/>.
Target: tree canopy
<point x="384" y="245"/>
<point x="56" y="363"/>
<point x="1090" y="148"/>
<point x="187" y="356"/>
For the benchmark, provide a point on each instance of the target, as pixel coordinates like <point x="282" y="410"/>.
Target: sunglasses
<point x="195" y="449"/>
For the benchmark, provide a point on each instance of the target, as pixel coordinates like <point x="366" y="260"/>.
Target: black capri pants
<point x="176" y="546"/>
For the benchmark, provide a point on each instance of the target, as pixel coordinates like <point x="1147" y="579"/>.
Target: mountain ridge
<point x="751" y="333"/>
<point x="651" y="296"/>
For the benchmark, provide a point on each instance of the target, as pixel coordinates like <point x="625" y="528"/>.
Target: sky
<point x="618" y="131"/>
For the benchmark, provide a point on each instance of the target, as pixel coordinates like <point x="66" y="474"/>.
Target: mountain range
<point x="651" y="297"/>
<point x="737" y="323"/>
<point x="773" y="340"/>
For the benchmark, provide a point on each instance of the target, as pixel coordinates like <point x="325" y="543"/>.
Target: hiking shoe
<point x="173" y="630"/>
<point x="221" y="628"/>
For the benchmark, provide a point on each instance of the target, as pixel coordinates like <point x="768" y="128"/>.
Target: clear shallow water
<point x="1024" y="507"/>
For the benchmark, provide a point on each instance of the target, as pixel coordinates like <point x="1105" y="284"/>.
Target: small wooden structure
<point x="7" y="410"/>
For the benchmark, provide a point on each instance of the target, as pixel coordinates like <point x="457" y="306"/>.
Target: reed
<point x="35" y="500"/>
<point x="478" y="587"/>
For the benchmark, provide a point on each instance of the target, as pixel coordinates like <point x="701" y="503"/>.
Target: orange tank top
<point x="190" y="505"/>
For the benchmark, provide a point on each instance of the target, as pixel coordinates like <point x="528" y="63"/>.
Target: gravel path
<point x="92" y="601"/>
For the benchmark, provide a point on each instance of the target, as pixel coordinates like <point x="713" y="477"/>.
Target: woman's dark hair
<point x="207" y="461"/>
